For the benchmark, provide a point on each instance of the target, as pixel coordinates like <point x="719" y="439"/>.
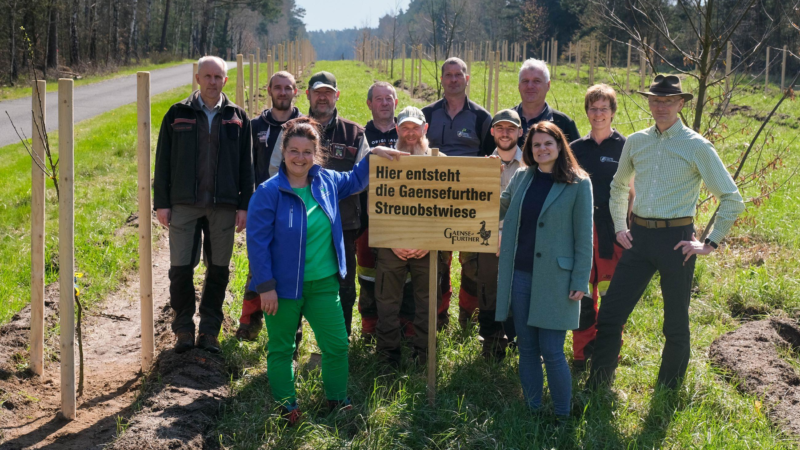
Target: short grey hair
<point x="535" y="64"/>
<point x="455" y="60"/>
<point x="213" y="58"/>
<point x="382" y="84"/>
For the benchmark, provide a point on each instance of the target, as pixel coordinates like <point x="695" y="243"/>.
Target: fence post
<point x="257" y="86"/>
<point x="195" y="70"/>
<point x="413" y="69"/>
<point x="403" y="68"/>
<point x="642" y="65"/>
<point x="490" y="67"/>
<point x="766" y="73"/>
<point x="728" y="63"/>
<point x="66" y="261"/>
<point x="592" y="45"/>
<point x="783" y="69"/>
<point x="628" y="79"/>
<point x="419" y="66"/>
<point x="240" y="80"/>
<point x="37" y="228"/>
<point x="145" y="218"/>
<point x="578" y="62"/>
<point x="496" y="83"/>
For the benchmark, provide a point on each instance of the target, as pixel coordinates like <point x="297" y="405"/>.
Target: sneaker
<point x="208" y="343"/>
<point x="249" y="331"/>
<point x="340" y="405"/>
<point x="291" y="414"/>
<point x="184" y="341"/>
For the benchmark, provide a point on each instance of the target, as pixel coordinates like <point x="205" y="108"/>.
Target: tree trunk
<point x="52" y="37"/>
<point x="163" y="46"/>
<point x="225" y="31"/>
<point x="147" y="27"/>
<point x="74" y="44"/>
<point x="12" y="29"/>
<point x="211" y="28"/>
<point x="115" y="33"/>
<point x="205" y="23"/>
<point x="93" y="33"/>
<point x="132" y="34"/>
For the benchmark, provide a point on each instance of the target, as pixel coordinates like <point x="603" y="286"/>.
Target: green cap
<point x="322" y="80"/>
<point x="507" y="115"/>
<point x="411" y="113"/>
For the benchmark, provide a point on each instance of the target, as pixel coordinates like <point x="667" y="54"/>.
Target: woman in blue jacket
<point x="296" y="252"/>
<point x="545" y="260"/>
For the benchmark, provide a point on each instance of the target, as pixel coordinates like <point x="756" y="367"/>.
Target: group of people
<point x="583" y="217"/>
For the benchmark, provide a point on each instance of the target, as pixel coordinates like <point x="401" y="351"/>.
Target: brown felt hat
<point x="667" y="86"/>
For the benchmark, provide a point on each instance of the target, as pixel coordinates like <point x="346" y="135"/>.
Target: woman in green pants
<point x="296" y="253"/>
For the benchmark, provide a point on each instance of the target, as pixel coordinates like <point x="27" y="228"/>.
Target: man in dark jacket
<point x="203" y="183"/>
<point x="534" y="84"/>
<point x="343" y="145"/>
<point x="266" y="127"/>
<point x="457" y="126"/>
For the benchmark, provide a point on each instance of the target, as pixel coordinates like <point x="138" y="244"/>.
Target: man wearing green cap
<point x="392" y="265"/>
<point x="479" y="270"/>
<point x="343" y="145"/>
<point x="668" y="163"/>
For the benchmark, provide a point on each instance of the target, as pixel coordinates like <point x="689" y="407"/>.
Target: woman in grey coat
<point x="545" y="260"/>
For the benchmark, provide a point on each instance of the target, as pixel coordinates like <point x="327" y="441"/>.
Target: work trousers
<point x="390" y="279"/>
<point x="653" y="250"/>
<point x="321" y="308"/>
<point x="192" y="228"/>
<point x="479" y="282"/>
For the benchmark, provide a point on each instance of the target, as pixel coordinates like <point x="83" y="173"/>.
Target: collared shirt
<point x="510" y="169"/>
<point x="466" y="134"/>
<point x="668" y="169"/>
<point x="210" y="112"/>
<point x="600" y="161"/>
<point x="562" y="121"/>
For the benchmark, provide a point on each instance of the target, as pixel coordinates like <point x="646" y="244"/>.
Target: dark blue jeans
<point x="535" y="344"/>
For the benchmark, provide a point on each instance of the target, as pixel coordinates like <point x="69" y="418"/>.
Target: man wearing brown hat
<point x="669" y="161"/>
<point x="479" y="270"/>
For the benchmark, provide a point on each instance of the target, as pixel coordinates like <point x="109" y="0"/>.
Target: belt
<point x="654" y="223"/>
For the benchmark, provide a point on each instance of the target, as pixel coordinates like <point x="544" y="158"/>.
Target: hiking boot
<point x="184" y="341"/>
<point x="249" y="331"/>
<point x="339" y="405"/>
<point x="208" y="343"/>
<point x="291" y="414"/>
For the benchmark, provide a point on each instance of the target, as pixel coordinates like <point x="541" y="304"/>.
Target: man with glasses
<point x="669" y="161"/>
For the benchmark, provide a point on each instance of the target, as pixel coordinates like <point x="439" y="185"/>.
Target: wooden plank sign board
<point x="434" y="203"/>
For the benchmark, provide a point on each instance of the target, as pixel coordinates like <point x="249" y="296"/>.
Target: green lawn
<point x="479" y="405"/>
<point x="24" y="89"/>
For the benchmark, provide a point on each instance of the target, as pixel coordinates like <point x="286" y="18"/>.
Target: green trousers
<point x="322" y="309"/>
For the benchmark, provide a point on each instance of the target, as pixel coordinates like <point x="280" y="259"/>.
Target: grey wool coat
<point x="563" y="256"/>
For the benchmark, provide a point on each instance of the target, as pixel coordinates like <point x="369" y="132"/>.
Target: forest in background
<point x="76" y="37"/>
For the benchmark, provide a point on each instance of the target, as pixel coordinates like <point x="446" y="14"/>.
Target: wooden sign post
<point x="66" y="261"/>
<point x="145" y="220"/>
<point x="449" y="204"/>
<point x="37" y="229"/>
<point x="195" y="69"/>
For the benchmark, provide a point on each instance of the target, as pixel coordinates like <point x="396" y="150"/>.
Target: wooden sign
<point x="431" y="203"/>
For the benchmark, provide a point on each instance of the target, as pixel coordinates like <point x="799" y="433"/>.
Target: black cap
<point x="507" y="115"/>
<point x="321" y="80"/>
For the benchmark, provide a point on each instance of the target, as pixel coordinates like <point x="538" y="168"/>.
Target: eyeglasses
<point x="599" y="110"/>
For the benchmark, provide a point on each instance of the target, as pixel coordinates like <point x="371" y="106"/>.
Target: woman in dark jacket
<point x="545" y="260"/>
<point x="296" y="253"/>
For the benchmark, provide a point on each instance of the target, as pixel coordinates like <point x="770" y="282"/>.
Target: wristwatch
<point x="712" y="243"/>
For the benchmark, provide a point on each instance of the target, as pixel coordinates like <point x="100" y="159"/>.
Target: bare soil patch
<point x="751" y="359"/>
<point x="421" y="91"/>
<point x="172" y="408"/>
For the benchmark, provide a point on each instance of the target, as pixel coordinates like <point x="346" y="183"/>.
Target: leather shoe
<point x="208" y="343"/>
<point x="184" y="341"/>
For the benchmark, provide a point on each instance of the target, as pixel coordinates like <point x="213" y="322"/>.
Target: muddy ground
<point x="750" y="357"/>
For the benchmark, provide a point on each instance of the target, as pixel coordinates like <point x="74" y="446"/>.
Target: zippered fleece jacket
<point x="276" y="226"/>
<point x="179" y="146"/>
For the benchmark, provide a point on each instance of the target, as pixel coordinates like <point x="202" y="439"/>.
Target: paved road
<point x="90" y="100"/>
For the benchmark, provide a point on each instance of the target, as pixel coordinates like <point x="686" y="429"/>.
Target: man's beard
<point x="420" y="148"/>
<point x="511" y="146"/>
<point x="282" y="105"/>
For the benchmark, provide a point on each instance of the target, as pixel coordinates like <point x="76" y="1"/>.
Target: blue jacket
<point x="563" y="259"/>
<point x="276" y="226"/>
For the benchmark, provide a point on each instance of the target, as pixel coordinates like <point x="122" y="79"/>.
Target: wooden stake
<point x="766" y="72"/>
<point x="403" y="68"/>
<point x="628" y="80"/>
<point x="728" y="64"/>
<point x="195" y="70"/>
<point x="419" y="66"/>
<point x="591" y="62"/>
<point x="250" y="104"/>
<point x="496" y="83"/>
<point x="413" y="67"/>
<point x="490" y="67"/>
<point x="145" y="219"/>
<point x="433" y="297"/>
<point x="66" y="255"/>
<point x="642" y="65"/>
<point x="524" y="51"/>
<point x="257" y="86"/>
<point x="555" y="60"/>
<point x="240" y="80"/>
<point x="578" y="62"/>
<point x="783" y="69"/>
<point x="37" y="228"/>
<point x="270" y="63"/>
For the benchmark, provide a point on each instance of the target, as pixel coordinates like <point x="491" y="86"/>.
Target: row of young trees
<point x="72" y="36"/>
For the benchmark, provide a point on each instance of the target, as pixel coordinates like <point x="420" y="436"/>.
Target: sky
<point x="341" y="14"/>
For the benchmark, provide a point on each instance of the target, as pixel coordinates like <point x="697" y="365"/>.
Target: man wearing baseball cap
<point x="393" y="265"/>
<point x="482" y="284"/>
<point x="343" y="145"/>
<point x="667" y="162"/>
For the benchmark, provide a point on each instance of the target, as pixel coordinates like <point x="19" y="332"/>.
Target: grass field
<point x="479" y="405"/>
<point x="24" y="89"/>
